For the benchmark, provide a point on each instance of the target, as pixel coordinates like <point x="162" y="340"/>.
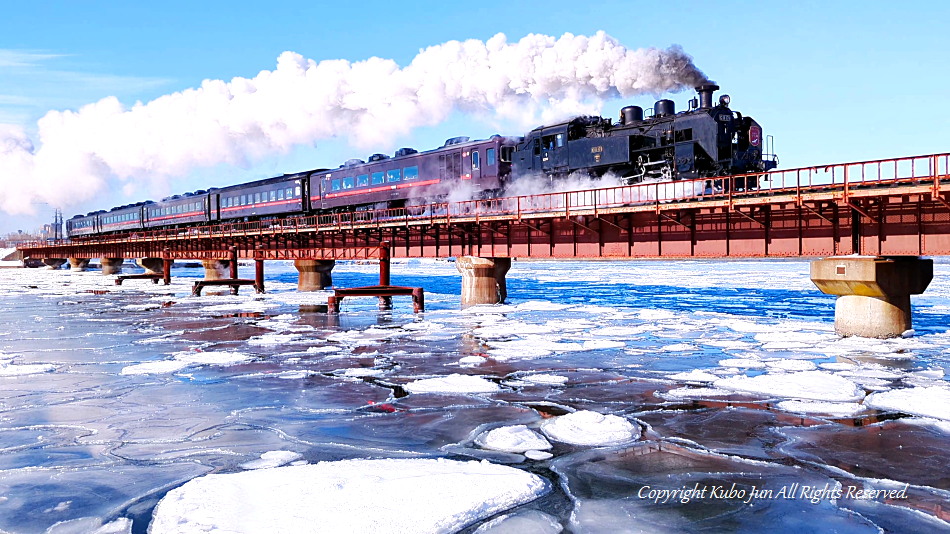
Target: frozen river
<point x="603" y="397"/>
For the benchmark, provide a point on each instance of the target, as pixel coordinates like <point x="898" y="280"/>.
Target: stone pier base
<point x="112" y="265"/>
<point x="873" y="293"/>
<point x="153" y="265"/>
<point x="217" y="269"/>
<point x="78" y="264"/>
<point x="54" y="263"/>
<point x="314" y="275"/>
<point x="483" y="279"/>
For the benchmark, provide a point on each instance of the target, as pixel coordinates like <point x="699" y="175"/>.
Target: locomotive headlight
<point x="724" y="100"/>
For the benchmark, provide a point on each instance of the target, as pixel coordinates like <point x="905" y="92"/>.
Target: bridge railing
<point x="928" y="170"/>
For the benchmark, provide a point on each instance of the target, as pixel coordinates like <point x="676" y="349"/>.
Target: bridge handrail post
<point x="935" y="170"/>
<point x="847" y="193"/>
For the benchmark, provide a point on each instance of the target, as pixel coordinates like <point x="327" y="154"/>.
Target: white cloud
<point x="106" y="144"/>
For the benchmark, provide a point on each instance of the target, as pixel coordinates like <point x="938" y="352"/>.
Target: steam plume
<point x="369" y="103"/>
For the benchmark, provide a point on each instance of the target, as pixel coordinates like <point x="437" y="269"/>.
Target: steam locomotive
<point x="706" y="141"/>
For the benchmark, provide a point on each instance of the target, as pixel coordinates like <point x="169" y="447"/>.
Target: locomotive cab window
<point x="559" y="140"/>
<point x="474" y="160"/>
<point x="506" y="153"/>
<point x="685" y="134"/>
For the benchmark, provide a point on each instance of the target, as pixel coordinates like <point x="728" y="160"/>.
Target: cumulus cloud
<point x="368" y="103"/>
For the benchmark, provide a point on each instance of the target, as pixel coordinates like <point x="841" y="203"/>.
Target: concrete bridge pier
<point x="483" y="279"/>
<point x="873" y="292"/>
<point x="112" y="265"/>
<point x="216" y="269"/>
<point x="54" y="263"/>
<point x="78" y="264"/>
<point x="314" y="275"/>
<point x="152" y="265"/>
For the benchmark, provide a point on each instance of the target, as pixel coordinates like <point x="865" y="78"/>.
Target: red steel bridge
<point x="892" y="207"/>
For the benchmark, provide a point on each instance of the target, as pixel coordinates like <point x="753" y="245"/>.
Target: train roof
<point x="268" y="181"/>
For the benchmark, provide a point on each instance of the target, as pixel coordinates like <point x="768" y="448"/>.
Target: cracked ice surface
<point x="602" y="377"/>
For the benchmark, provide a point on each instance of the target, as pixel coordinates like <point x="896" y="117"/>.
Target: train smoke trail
<point x="369" y="103"/>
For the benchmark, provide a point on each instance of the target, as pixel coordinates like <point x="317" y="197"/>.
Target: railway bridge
<point x="869" y="222"/>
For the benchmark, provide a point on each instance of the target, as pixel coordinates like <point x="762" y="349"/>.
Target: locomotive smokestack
<point x="706" y="95"/>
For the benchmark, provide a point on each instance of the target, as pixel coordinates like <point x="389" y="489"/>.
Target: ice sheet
<point x="348" y="496"/>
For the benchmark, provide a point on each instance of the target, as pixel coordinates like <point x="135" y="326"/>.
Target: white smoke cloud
<point x="368" y="103"/>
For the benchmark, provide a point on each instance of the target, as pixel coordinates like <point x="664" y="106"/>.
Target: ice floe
<point x="8" y="368"/>
<point x="517" y="438"/>
<point x="272" y="459"/>
<point x="453" y="383"/>
<point x="181" y="360"/>
<point x="590" y="428"/>
<point x="810" y="385"/>
<point x="393" y="495"/>
<point x="922" y="401"/>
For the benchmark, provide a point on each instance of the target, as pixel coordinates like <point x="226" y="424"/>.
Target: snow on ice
<point x="393" y="495"/>
<point x="590" y="428"/>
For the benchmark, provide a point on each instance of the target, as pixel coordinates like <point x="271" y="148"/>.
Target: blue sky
<point x="832" y="81"/>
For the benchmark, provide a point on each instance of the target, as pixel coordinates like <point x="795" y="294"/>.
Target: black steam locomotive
<point x="704" y="142"/>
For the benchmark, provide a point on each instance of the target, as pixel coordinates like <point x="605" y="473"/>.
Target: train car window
<point x="297" y="192"/>
<point x="474" y="160"/>
<point x="362" y="180"/>
<point x="490" y="157"/>
<point x="537" y="147"/>
<point x="335" y="185"/>
<point x="559" y="140"/>
<point x="377" y="178"/>
<point x="394" y="175"/>
<point x="273" y="195"/>
<point x="244" y="200"/>
<point x="410" y="173"/>
<point x="348" y="182"/>
<point x="280" y="194"/>
<point x="257" y="198"/>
